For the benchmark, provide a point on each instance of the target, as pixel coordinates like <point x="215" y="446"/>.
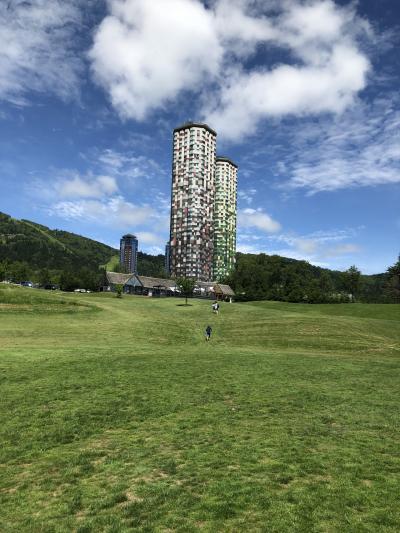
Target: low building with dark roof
<point x="149" y="286"/>
<point x="117" y="278"/>
<point x="157" y="286"/>
<point x="144" y="285"/>
<point x="223" y="292"/>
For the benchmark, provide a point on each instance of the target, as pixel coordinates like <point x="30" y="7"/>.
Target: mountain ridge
<point x="33" y="248"/>
<point x="41" y="247"/>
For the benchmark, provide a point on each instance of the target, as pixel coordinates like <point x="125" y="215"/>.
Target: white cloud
<point x="149" y="238"/>
<point x="78" y="187"/>
<point x="319" y="237"/>
<point x="318" y="246"/>
<point x="308" y="246"/>
<point x="342" y="249"/>
<point x="360" y="148"/>
<point x="146" y="54"/>
<point x="299" y="256"/>
<point x="101" y="197"/>
<point x="156" y="250"/>
<point x="38" y="48"/>
<point x="329" y="72"/>
<point x="250" y="249"/>
<point x="289" y="90"/>
<point x="247" y="195"/>
<point x="128" y="165"/>
<point x="113" y="212"/>
<point x="251" y="218"/>
<point x="241" y="30"/>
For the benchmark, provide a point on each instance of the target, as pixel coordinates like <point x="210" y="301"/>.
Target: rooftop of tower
<point x="129" y="236"/>
<point x="187" y="125"/>
<point x="226" y="159"/>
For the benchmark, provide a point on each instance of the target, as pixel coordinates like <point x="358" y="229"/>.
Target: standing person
<point x="214" y="307"/>
<point x="217" y="307"/>
<point x="208" y="333"/>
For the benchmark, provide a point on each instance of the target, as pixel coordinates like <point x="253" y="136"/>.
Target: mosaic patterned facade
<point x="224" y="217"/>
<point x="192" y="201"/>
<point x="203" y="206"/>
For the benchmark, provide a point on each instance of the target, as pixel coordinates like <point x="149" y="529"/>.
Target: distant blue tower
<point x="128" y="249"/>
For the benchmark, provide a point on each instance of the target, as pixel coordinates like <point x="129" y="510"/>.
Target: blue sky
<point x="303" y="94"/>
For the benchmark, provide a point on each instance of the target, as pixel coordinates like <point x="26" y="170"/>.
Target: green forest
<point x="264" y="277"/>
<point x="30" y="251"/>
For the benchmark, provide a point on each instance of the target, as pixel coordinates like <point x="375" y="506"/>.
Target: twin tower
<point x="202" y="241"/>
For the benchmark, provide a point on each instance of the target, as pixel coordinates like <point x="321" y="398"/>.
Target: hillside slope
<point x="256" y="277"/>
<point x="42" y="247"/>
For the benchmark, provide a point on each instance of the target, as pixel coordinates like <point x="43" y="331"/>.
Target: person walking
<point x="208" y="332"/>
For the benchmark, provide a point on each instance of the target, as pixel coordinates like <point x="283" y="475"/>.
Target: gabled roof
<point x="224" y="289"/>
<point x="150" y="283"/>
<point x="205" y="285"/>
<point x="117" y="278"/>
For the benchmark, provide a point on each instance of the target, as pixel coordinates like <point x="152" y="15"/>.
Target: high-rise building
<point x="224" y="217"/>
<point x="167" y="258"/>
<point x="128" y="249"/>
<point x="192" y="201"/>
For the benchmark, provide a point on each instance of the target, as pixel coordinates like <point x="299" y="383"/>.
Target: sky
<point x="303" y="95"/>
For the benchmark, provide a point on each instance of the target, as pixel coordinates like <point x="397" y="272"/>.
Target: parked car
<point x="50" y="287"/>
<point x="80" y="290"/>
<point x="26" y="284"/>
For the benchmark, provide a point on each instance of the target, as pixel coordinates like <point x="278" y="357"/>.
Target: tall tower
<point x="128" y="249"/>
<point x="224" y="217"/>
<point x="192" y="201"/>
<point x="167" y="258"/>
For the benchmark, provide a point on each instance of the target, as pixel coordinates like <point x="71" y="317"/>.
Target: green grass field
<point x="116" y="415"/>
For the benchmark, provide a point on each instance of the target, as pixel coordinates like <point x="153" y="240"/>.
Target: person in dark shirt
<point x="208" y="333"/>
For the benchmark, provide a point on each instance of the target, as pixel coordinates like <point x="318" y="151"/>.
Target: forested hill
<point x="30" y="251"/>
<point x="271" y="277"/>
<point x="28" y="248"/>
<point x="41" y="247"/>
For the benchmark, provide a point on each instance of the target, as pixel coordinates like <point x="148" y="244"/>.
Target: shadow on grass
<point x="184" y="305"/>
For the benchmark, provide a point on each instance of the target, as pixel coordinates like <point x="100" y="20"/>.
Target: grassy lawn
<point x="116" y="415"/>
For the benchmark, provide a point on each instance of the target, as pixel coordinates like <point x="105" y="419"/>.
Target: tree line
<point x="256" y="277"/>
<point x="33" y="252"/>
<point x="263" y="277"/>
<point x="90" y="277"/>
<point x="67" y="280"/>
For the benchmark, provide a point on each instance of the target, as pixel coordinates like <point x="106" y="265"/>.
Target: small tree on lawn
<point x="352" y="281"/>
<point x="186" y="287"/>
<point x="119" y="288"/>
